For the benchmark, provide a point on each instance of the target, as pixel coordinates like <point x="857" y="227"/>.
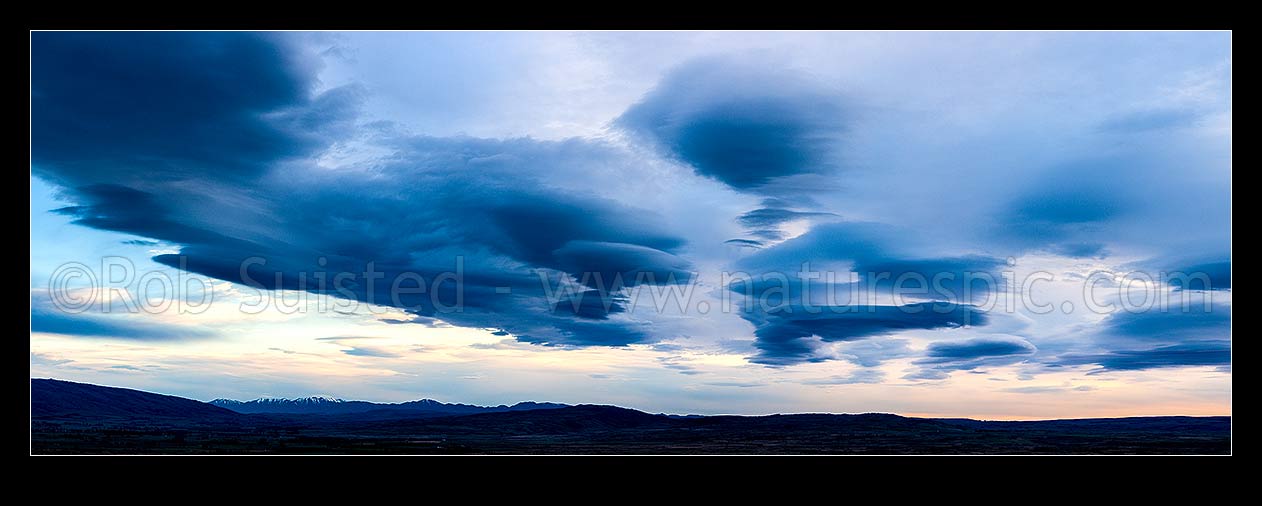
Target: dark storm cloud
<point x="976" y="348"/>
<point x="789" y="336"/>
<point x="123" y="209"/>
<point x="740" y="124"/>
<point x="942" y="358"/>
<point x="539" y="227"/>
<point x="1211" y="276"/>
<point x="611" y="265"/>
<point x="429" y="217"/>
<point x="206" y="141"/>
<point x="127" y="106"/>
<point x="591" y="304"/>
<point x="777" y="297"/>
<point x="1079" y="249"/>
<point x="586" y="333"/>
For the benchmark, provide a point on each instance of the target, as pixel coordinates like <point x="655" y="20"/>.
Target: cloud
<point x="765" y="223"/>
<point x="1210" y="275"/>
<point x="154" y="135"/>
<point x="744" y="243"/>
<point x="224" y="173"/>
<point x="946" y="278"/>
<point x="679" y="364"/>
<point x="1047" y="389"/>
<point x="363" y="351"/>
<point x="124" y="209"/>
<point x="779" y="300"/>
<point x="944" y="357"/>
<point x="292" y="352"/>
<point x="591" y="304"/>
<point x="1195" y="320"/>
<point x="1079" y="249"/>
<point x="429" y="217"/>
<point x="736" y="384"/>
<point x="1201" y="353"/>
<point x="772" y="216"/>
<point x="581" y="333"/>
<point x="1117" y="200"/>
<point x="741" y="124"/>
<point x="942" y="352"/>
<point x="125" y="106"/>
<point x="792" y="335"/>
<point x="856" y="377"/>
<point x="355" y="348"/>
<point x="1150" y="119"/>
<point x="1070" y="205"/>
<point x="873" y="352"/>
<point x="880" y="255"/>
<point x="928" y="374"/>
<point x="612" y="265"/>
<point x="1077" y="208"/>
<point x="89" y="324"/>
<point x="42" y="359"/>
<point x="801" y="293"/>
<point x="1183" y="335"/>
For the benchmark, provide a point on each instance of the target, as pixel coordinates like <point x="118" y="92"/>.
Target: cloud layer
<point x="235" y="150"/>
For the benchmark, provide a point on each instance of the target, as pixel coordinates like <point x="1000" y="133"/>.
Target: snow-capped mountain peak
<point x="318" y="398"/>
<point x="324" y="404"/>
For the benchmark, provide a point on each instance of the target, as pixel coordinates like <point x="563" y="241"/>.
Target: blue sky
<point x="579" y="208"/>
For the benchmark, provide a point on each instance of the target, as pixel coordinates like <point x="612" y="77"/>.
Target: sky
<point x="998" y="225"/>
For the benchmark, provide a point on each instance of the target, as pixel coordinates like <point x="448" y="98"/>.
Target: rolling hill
<point x="72" y="418"/>
<point x="52" y="398"/>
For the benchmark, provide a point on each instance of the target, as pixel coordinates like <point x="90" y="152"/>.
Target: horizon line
<point x="570" y="405"/>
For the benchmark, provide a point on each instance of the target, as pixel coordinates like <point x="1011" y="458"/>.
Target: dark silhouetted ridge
<point x="55" y="398"/>
<point x="80" y="418"/>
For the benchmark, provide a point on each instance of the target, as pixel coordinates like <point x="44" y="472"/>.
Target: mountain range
<point x="79" y="418"/>
<point x="325" y="405"/>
